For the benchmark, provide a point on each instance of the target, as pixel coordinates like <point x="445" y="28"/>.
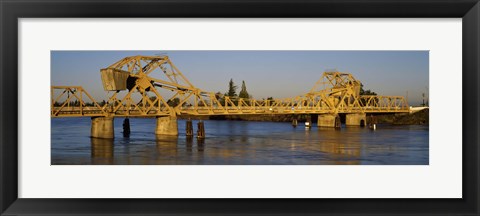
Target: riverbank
<point x="418" y="118"/>
<point x="257" y="117"/>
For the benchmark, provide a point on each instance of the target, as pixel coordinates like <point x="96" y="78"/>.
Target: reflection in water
<point x="102" y="151"/>
<point x="166" y="147"/>
<point x="346" y="152"/>
<point x="242" y="143"/>
<point x="189" y="143"/>
<point x="200" y="144"/>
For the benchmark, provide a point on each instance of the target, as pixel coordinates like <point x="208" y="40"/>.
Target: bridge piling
<point x="201" y="130"/>
<point x="356" y="119"/>
<point x="372" y="122"/>
<point x="308" y="122"/>
<point x="167" y="125"/>
<point x="329" y="120"/>
<point x="102" y="127"/>
<point x="189" y="128"/>
<point x="126" y="127"/>
<point x="294" y="122"/>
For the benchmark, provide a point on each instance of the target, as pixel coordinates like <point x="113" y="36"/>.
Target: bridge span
<point x="152" y="86"/>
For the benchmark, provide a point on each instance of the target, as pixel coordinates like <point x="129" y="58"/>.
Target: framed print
<point x="225" y="107"/>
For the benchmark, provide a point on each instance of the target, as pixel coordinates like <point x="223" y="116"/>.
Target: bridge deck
<point x="202" y="111"/>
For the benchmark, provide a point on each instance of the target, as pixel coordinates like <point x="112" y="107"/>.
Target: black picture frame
<point x="11" y="11"/>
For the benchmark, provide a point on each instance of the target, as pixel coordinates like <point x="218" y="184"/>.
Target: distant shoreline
<point x="419" y="118"/>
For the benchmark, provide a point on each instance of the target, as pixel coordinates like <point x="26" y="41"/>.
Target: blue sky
<point x="277" y="74"/>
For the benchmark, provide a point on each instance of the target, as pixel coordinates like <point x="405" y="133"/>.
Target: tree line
<point x="232" y="90"/>
<point x="232" y="93"/>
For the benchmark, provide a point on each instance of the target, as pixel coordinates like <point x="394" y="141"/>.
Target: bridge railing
<point x="387" y="103"/>
<point x="73" y="100"/>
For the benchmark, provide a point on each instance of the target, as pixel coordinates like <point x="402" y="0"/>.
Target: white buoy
<point x="374" y="126"/>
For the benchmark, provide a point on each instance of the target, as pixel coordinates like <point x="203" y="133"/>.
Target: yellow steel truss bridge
<point x="152" y="86"/>
<point x="333" y="93"/>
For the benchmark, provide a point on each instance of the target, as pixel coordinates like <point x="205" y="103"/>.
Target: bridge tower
<point x="338" y="91"/>
<point x="141" y="78"/>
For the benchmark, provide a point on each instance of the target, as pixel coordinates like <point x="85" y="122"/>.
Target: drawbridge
<point x="152" y="86"/>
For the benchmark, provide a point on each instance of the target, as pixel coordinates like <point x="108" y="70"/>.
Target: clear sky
<point x="277" y="74"/>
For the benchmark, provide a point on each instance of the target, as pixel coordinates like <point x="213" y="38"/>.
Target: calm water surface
<point x="239" y="143"/>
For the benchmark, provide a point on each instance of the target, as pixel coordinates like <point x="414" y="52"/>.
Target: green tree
<point x="173" y="102"/>
<point x="243" y="91"/>
<point x="220" y="97"/>
<point x="232" y="88"/>
<point x="152" y="99"/>
<point x="201" y="103"/>
<point x="366" y="92"/>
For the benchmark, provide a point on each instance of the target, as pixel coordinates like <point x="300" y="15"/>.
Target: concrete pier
<point x="167" y="125"/>
<point x="102" y="127"/>
<point x="356" y="119"/>
<point x="329" y="120"/>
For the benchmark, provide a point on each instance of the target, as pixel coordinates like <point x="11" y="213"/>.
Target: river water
<point x="239" y="143"/>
